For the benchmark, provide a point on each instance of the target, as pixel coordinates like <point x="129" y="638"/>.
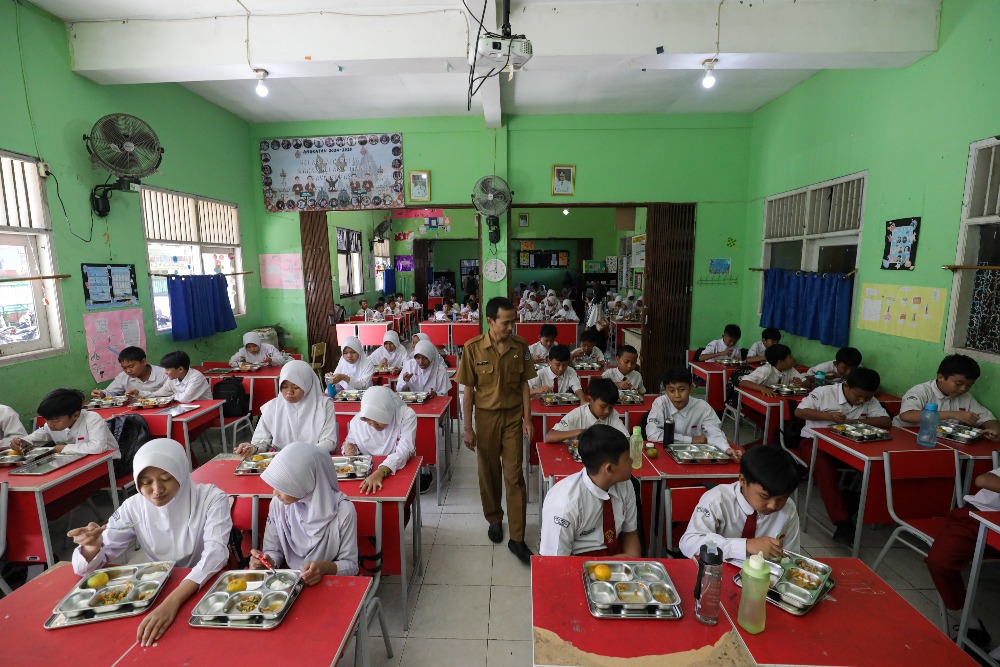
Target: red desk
<point x="346" y="330"/>
<point x="989" y="535"/>
<point x="632" y="414"/>
<point x="978" y="457"/>
<point x="371" y="333"/>
<point x="183" y="428"/>
<point x="433" y="301"/>
<point x="543" y="418"/>
<point x="566" y="332"/>
<point x="587" y="376"/>
<point x="774" y="408"/>
<point x="28" y="539"/>
<point x="263" y="384"/>
<point x="716" y="377"/>
<point x="862" y="622"/>
<point x="616" y="333"/>
<point x="462" y="332"/>
<point x="438" y="333"/>
<point x="565" y="633"/>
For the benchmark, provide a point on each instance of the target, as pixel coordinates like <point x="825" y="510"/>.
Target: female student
<point x="384" y="426"/>
<point x="172" y="518"/>
<point x="551" y="304"/>
<point x="355" y="369"/>
<point x="313" y="527"/>
<point x="256" y="351"/>
<point x="566" y="313"/>
<point x="426" y="371"/>
<point x="392" y="354"/>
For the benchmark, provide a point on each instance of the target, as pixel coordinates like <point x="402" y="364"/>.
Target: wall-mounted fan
<point x="128" y="148"/>
<point x="492" y="197"/>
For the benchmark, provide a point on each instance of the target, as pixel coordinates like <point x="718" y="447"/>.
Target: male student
<point x="949" y="390"/>
<point x="546" y="339"/>
<point x="768" y="337"/>
<point x="559" y="377"/>
<point x="602" y="396"/>
<point x="779" y="369"/>
<point x="69" y="427"/>
<point x="624" y="374"/>
<point x="136" y="374"/>
<point x="694" y="420"/>
<point x="588" y="352"/>
<point x="183" y="382"/>
<point x="727" y="346"/>
<point x="847" y="359"/>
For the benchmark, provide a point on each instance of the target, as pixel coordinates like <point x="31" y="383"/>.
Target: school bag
<point x="131" y="432"/>
<point x="734" y="381"/>
<point x="230" y="390"/>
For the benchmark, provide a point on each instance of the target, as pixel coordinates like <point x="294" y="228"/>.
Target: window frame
<point x="349" y="246"/>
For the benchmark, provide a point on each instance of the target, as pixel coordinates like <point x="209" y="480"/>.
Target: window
<point x="974" y="320"/>
<point x="189" y="235"/>
<point x="383" y="261"/>
<point x="349" y="265"/>
<point x="31" y="324"/>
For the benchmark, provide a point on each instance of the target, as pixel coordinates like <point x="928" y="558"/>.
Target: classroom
<point x="380" y="287"/>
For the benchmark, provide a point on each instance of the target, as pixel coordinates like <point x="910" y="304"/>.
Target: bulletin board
<point x="901" y="310"/>
<point x="109" y="286"/>
<point x="107" y="334"/>
<point x="543" y="259"/>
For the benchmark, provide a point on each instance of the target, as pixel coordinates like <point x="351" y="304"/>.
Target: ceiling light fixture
<point x="261" y="88"/>
<point x="709" y="79"/>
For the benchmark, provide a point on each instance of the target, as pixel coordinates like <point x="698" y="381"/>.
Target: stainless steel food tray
<point x="142" y="583"/>
<point x="414" y="396"/>
<point x="560" y="399"/>
<point x="352" y="467"/>
<point x="218" y="608"/>
<point x="46" y="464"/>
<point x="8" y="459"/>
<point x="789" y="389"/>
<point x="632" y="591"/>
<point x="586" y="366"/>
<point x="859" y="432"/>
<point x="953" y="430"/>
<point x="628" y="397"/>
<point x="728" y="361"/>
<point x="250" y="467"/>
<point x="350" y="395"/>
<point x="573" y="448"/>
<point x="786" y="593"/>
<point x="103" y="404"/>
<point x="145" y="403"/>
<point x="686" y="454"/>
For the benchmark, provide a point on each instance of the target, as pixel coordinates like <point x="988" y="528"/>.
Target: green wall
<point x="63" y="107"/>
<point x="448" y="252"/>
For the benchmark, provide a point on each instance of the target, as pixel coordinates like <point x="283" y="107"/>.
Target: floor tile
<point x="509" y="612"/>
<point x="452" y="612"/>
<point x="463" y="529"/>
<point x="463" y="501"/>
<point x="420" y="652"/>
<point x="459" y="564"/>
<point x="508" y="570"/>
<point x="467" y="477"/>
<point x="376" y="653"/>
<point x="391" y="595"/>
<point x="506" y="653"/>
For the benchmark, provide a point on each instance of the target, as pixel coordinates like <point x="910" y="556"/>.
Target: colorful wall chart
<point x="107" y="334"/>
<point x="109" y="286"/>
<point x="282" y="271"/>
<point x="901" y="310"/>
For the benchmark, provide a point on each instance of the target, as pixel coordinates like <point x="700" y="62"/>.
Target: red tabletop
<point x="565" y="331"/>
<point x="685" y="474"/>
<point x="716" y="377"/>
<point x="556" y="463"/>
<point x="437" y="332"/>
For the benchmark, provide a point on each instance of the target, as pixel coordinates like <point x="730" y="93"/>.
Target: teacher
<point x="495" y="370"/>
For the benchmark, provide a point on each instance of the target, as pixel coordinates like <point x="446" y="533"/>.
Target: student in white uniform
<point x="256" y="351"/>
<point x="779" y="369"/>
<point x="624" y="374"/>
<point x="546" y="339"/>
<point x="171" y="518"/>
<point x="588" y="352"/>
<point x="183" y="382"/>
<point x="751" y="515"/>
<point x="768" y="337"/>
<point x="853" y="400"/>
<point x="550" y="305"/>
<point x="694" y="420"/>
<point x="10" y="426"/>
<point x="593" y="512"/>
<point x="364" y="311"/>
<point x="413" y="304"/>
<point x="72" y="429"/>
<point x="558" y="378"/>
<point x="847" y="359"/>
<point x="426" y="371"/>
<point x="566" y="312"/>
<point x="956" y="375"/>
<point x="391" y="355"/>
<point x="313" y="527"/>
<point x="602" y="397"/>
<point x="532" y="312"/>
<point x="136" y="374"/>
<point x="727" y="346"/>
<point x="595" y="313"/>
<point x="384" y="426"/>
<point x="629" y="304"/>
<point x="354" y="370"/>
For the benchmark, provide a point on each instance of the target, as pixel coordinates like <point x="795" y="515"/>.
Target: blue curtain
<point x="199" y="306"/>
<point x="811" y="305"/>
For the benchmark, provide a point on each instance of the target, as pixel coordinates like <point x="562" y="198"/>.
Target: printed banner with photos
<point x="900" y="244"/>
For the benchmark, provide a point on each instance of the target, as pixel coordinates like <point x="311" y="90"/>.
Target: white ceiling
<point x="342" y="59"/>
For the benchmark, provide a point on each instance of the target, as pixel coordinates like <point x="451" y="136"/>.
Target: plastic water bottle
<point x="635" y="447"/>
<point x="820" y="379"/>
<point x="929" y="420"/>
<point x="708" y="586"/>
<point x="756" y="579"/>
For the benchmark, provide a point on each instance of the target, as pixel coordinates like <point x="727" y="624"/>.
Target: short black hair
<point x="733" y="331"/>
<point x="61" y="403"/>
<point x="603" y="389"/>
<point x="132" y="353"/>
<point x="495" y="305"/>
<point x="559" y="353"/>
<point x="864" y="379"/>
<point x="776" y="353"/>
<point x="602" y="444"/>
<point x="677" y="374"/>
<point x="770" y="333"/>
<point x="176" y="359"/>
<point x="362" y="301"/>
<point x="849" y="355"/>
<point x="440" y="307"/>
<point x="627" y="349"/>
<point x="771" y="467"/>
<point x="548" y="331"/>
<point x="590" y="336"/>
<point x="959" y="364"/>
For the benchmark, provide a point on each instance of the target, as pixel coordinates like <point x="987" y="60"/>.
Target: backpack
<point x="131" y="432"/>
<point x="230" y="390"/>
<point x="734" y="381"/>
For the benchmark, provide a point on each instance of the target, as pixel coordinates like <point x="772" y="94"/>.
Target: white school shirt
<point x="413" y="305"/>
<point x="370" y="441"/>
<point x="566" y="316"/>
<point x="634" y="378"/>
<point x="595" y="356"/>
<point x="343" y="552"/>
<point x="422" y="380"/>
<point x="768" y="375"/>
<point x="538" y="350"/>
<point x="986" y="500"/>
<point x="123" y="383"/>
<point x="89" y="435"/>
<point x="266" y="351"/>
<point x="573" y="515"/>
<point x="569" y="381"/>
<point x="757" y="349"/>
<point x="928" y="392"/>
<point x="262" y="438"/>
<point x="826" y="367"/>
<point x="830" y="398"/>
<point x="694" y="419"/>
<point x="720" y="516"/>
<point x="718" y="346"/>
<point x="581" y="417"/>
<point x="192" y="387"/>
<point x="10" y="426"/>
<point x="440" y="316"/>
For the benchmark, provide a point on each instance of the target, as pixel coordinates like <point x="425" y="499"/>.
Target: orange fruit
<point x="236" y="585"/>
<point x="602" y="573"/>
<point x="652" y="452"/>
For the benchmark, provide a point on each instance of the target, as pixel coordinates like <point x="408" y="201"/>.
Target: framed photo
<point x="522" y="219"/>
<point x="420" y="185"/>
<point x="564" y="179"/>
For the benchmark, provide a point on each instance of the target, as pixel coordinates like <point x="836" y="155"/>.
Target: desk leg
<point x="43" y="525"/>
<point x="653" y="511"/>
<point x="767" y="425"/>
<point x="418" y="539"/>
<point x="440" y="468"/>
<point x="254" y="509"/>
<point x="114" y="483"/>
<point x="970" y="465"/>
<point x="970" y="593"/>
<point x="738" y="418"/>
<point x="668" y="524"/>
<point x="809" y="485"/>
<point x="361" y="648"/>
<point x="222" y="432"/>
<point x="865" y="479"/>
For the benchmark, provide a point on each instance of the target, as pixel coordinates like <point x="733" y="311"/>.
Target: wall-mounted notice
<point x="109" y="286"/>
<point x="404" y="262"/>
<point x="107" y="334"/>
<point x="281" y="271"/>
<point x="901" y="310"/>
<point x="639" y="251"/>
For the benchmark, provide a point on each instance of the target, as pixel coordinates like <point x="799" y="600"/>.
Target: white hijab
<point x="294" y="422"/>
<point x="361" y="367"/>
<point x="252" y="337"/>
<point x="306" y="472"/>
<point x="382" y="405"/>
<point x="435" y="376"/>
<point x="394" y="359"/>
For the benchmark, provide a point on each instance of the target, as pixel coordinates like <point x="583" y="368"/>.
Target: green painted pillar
<point x="496" y="250"/>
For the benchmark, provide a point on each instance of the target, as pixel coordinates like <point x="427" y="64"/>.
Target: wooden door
<point x="421" y="263"/>
<point x="668" y="280"/>
<point x="318" y="282"/>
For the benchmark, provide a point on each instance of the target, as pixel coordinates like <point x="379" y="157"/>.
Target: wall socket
<point x="44" y="171"/>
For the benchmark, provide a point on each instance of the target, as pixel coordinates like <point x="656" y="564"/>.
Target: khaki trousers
<point x="500" y="453"/>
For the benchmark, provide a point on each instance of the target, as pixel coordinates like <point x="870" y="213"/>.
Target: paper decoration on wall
<point x="109" y="286"/>
<point x="441" y="224"/>
<point x="403" y="236"/>
<point x="611" y="262"/>
<point x="107" y="335"/>
<point x="337" y="173"/>
<point x="404" y="262"/>
<point x="527" y="245"/>
<point x="418" y="213"/>
<point x="902" y="310"/>
<point x="900" y="244"/>
<point x="281" y="271"/>
<point x="721" y="266"/>
<point x="639" y="251"/>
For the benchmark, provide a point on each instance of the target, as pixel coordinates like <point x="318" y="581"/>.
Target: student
<point x="624" y="375"/>
<point x="388" y="310"/>
<point x="384" y="426"/>
<point x="559" y="377"/>
<point x="532" y="312"/>
<point x="588" y="352"/>
<point x="473" y="311"/>
<point x="727" y="346"/>
<point x="779" y="369"/>
<point x="391" y="355"/>
<point x="401" y="305"/>
<point x="575" y="515"/>
<point x="439" y="314"/>
<point x="413" y="304"/>
<point x="300" y="413"/>
<point x="853" y="400"/>
<point x="599" y="408"/>
<point x="136" y="374"/>
<point x="595" y="313"/>
<point x="694" y="420"/>
<point x="566" y="313"/>
<point x="71" y="428"/>
<point x="426" y="371"/>
<point x="617" y="308"/>
<point x="256" y="351"/>
<point x="550" y="305"/>
<point x="768" y="337"/>
<point x="354" y="370"/>
<point x="364" y="311"/>
<point x="314" y="526"/>
<point x="629" y="304"/>
<point x="10" y="426"/>
<point x="751" y="515"/>
<point x="448" y="307"/>
<point x="955" y="377"/>
<point x="847" y="359"/>
<point x="171" y="518"/>
<point x="183" y="382"/>
<point x="546" y="339"/>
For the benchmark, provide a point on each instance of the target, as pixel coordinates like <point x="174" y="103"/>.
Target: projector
<point x="501" y="52"/>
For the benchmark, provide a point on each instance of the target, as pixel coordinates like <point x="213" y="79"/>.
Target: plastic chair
<point x="317" y="359"/>
<point x="678" y="505"/>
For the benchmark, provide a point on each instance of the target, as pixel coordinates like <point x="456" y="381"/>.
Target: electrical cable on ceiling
<point x="24" y="79"/>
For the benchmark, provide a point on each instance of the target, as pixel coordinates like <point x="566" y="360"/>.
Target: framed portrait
<point x="522" y="219"/>
<point x="420" y="185"/>
<point x="564" y="179"/>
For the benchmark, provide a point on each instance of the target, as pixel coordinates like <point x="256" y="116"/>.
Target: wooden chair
<point x="317" y="359"/>
<point x="678" y="505"/>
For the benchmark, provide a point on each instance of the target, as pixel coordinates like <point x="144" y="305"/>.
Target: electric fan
<point x="492" y="197"/>
<point x="128" y="148"/>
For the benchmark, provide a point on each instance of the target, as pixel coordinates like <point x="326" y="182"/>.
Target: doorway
<point x="318" y="284"/>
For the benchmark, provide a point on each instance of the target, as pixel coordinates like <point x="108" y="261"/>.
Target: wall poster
<point x="107" y="334"/>
<point x="900" y="244"/>
<point x="902" y="310"/>
<point x="282" y="271"/>
<point x="109" y="286"/>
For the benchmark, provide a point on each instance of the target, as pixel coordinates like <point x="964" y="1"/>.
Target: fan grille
<point x="491" y="196"/>
<point x="125" y="145"/>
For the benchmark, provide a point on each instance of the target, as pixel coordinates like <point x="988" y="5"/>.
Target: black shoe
<point x="495" y="533"/>
<point x="425" y="482"/>
<point x="520" y="550"/>
<point x="845" y="533"/>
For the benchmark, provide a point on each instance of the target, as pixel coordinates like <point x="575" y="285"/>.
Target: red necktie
<point x="611" y="545"/>
<point x="555" y="384"/>
<point x="750" y="527"/>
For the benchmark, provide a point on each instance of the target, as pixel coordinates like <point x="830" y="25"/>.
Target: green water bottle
<point x="635" y="447"/>
<point x="756" y="579"/>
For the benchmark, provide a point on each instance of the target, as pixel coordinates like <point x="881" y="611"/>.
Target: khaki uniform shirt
<point x="496" y="377"/>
